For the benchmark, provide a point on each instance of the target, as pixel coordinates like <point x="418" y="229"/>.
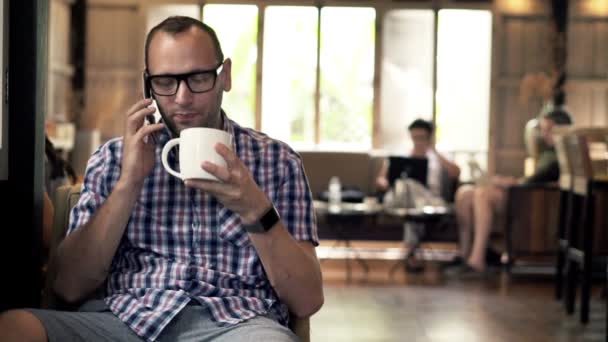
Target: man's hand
<point x="138" y="156"/>
<point x="236" y="189"/>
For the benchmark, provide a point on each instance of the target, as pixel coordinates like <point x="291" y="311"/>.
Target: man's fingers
<point x="222" y="173"/>
<point x="209" y="186"/>
<point x="134" y="114"/>
<point x="147" y="130"/>
<point x="139" y="105"/>
<point x="232" y="161"/>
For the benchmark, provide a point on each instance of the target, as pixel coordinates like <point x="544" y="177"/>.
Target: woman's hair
<point x="558" y="116"/>
<point x="59" y="168"/>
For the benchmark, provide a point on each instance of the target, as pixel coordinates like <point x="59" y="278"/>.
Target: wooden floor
<point x="439" y="305"/>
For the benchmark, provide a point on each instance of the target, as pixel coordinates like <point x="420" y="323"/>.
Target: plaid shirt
<point x="181" y="244"/>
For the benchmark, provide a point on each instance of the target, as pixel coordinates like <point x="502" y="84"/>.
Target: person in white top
<point x="442" y="174"/>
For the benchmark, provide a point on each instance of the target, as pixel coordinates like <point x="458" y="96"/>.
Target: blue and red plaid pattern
<point x="181" y="244"/>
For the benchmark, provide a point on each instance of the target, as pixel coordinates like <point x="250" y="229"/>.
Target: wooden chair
<point x="530" y="230"/>
<point x="531" y="216"/>
<point x="587" y="238"/>
<point x="66" y="197"/>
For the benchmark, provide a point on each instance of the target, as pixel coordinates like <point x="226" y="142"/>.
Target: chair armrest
<point x="300" y="327"/>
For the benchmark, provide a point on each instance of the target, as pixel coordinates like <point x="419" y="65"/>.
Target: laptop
<point x="415" y="168"/>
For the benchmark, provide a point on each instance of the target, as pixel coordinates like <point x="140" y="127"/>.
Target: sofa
<point x="354" y="169"/>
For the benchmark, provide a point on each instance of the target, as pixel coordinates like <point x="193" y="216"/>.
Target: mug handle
<point x="168" y="146"/>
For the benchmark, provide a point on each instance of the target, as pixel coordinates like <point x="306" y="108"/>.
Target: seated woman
<point x="57" y="172"/>
<point x="477" y="207"/>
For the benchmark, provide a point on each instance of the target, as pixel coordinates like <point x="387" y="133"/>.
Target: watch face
<point x="265" y="223"/>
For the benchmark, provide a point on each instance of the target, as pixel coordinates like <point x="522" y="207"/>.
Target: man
<point x="441" y="170"/>
<point x="199" y="260"/>
<point x="442" y="174"/>
<point x="478" y="207"/>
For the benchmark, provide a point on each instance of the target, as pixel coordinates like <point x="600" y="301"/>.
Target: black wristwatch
<point x="264" y="223"/>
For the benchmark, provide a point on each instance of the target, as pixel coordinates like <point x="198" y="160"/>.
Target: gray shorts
<point x="95" y="322"/>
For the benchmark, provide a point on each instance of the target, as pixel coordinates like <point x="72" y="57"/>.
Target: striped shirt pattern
<point x="181" y="244"/>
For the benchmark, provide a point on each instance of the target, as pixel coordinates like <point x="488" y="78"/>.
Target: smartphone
<point x="154" y="117"/>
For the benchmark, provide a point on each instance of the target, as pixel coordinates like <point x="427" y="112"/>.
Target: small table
<point x="339" y="216"/>
<point x="421" y="215"/>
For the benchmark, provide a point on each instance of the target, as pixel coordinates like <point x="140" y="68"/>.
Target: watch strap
<point x="265" y="222"/>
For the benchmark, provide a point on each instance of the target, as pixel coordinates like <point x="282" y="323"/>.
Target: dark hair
<point x="558" y="116"/>
<point x="59" y="167"/>
<point x="422" y="124"/>
<point x="179" y="24"/>
<point x="559" y="98"/>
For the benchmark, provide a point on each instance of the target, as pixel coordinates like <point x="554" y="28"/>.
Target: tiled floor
<point x="443" y="306"/>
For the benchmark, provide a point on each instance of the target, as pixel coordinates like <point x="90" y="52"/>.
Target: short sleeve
<point x="294" y="201"/>
<point x="102" y="168"/>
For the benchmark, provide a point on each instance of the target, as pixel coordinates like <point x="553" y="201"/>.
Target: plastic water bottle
<point x="335" y="190"/>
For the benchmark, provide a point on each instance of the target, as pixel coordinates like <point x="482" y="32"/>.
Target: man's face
<point x="421" y="139"/>
<point x="182" y="53"/>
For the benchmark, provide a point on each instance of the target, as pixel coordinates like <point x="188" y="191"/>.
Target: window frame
<point x="381" y="9"/>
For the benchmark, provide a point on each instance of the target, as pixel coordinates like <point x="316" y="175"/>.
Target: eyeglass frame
<point x="184" y="77"/>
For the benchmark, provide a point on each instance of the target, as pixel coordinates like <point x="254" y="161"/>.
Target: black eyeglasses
<point x="199" y="81"/>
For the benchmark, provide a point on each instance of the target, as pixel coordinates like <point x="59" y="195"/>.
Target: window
<point x="407" y="75"/>
<point x="318" y="64"/>
<point x="463" y="85"/>
<point x="347" y="73"/>
<point x="158" y="13"/>
<point x="461" y="99"/>
<point x="237" y="29"/>
<point x="289" y="77"/>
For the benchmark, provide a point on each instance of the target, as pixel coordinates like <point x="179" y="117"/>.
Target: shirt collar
<point x="228" y="126"/>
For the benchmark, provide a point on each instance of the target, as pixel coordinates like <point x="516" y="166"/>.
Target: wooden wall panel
<point x="600" y="52"/>
<point x="579" y="103"/>
<point x="589" y="105"/>
<point x="115" y="35"/>
<point x="510" y="120"/>
<point x="523" y="48"/>
<point x="588" y="71"/>
<point x="113" y="46"/>
<point x="59" y="39"/>
<point x="109" y="96"/>
<point x="524" y="45"/>
<point x="535" y="45"/>
<point x="511" y="43"/>
<point x="59" y="91"/>
<point x="600" y="107"/>
<point x="580" y="48"/>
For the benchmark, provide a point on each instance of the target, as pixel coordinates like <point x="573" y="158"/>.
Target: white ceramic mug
<point x="196" y="145"/>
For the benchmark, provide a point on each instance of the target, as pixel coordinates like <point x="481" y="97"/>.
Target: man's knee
<point x="21" y="325"/>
